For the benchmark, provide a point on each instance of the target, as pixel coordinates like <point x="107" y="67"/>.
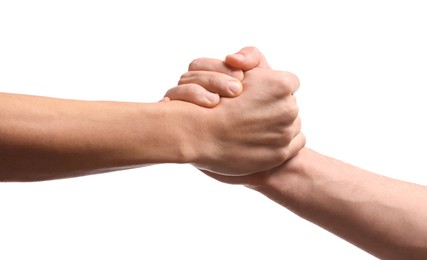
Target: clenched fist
<point x="255" y="131"/>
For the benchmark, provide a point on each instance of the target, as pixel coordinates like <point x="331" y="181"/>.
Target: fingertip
<point x="236" y="57"/>
<point x="247" y="59"/>
<point x="236" y="60"/>
<point x="211" y="100"/>
<point x="237" y="74"/>
<point x="235" y="88"/>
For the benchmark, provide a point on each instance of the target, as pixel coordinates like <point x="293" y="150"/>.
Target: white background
<point x="362" y="66"/>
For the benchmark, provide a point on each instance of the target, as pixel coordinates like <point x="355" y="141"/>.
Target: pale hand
<point x="253" y="132"/>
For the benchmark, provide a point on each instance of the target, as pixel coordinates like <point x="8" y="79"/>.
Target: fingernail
<point x="235" y="87"/>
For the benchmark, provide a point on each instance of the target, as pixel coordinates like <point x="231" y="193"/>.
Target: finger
<point x="230" y="179"/>
<point x="287" y="80"/>
<point x="293" y="80"/>
<point x="223" y="178"/>
<point x="295" y="146"/>
<point x="247" y="59"/>
<point x="250" y="180"/>
<point x="282" y="82"/>
<point x="290" y="133"/>
<point x="297" y="126"/>
<point x="224" y="85"/>
<point x="193" y="93"/>
<point x="255" y="179"/>
<point x="207" y="64"/>
<point x="165" y="99"/>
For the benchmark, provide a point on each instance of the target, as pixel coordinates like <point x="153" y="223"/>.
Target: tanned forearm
<point x="383" y="216"/>
<point x="46" y="138"/>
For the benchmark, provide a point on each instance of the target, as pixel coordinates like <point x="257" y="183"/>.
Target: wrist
<point x="152" y="133"/>
<point x="288" y="184"/>
<point x="180" y="131"/>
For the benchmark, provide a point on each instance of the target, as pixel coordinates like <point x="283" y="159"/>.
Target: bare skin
<point x="383" y="216"/>
<point x="44" y="138"/>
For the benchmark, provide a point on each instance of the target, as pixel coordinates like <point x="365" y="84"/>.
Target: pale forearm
<point x="46" y="138"/>
<point x="383" y="216"/>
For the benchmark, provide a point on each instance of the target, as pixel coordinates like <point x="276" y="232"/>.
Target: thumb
<point x="247" y="59"/>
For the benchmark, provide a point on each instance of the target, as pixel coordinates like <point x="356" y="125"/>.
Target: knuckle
<point x="212" y="80"/>
<point x="298" y="124"/>
<point x="294" y="80"/>
<point x="303" y="141"/>
<point x="293" y="111"/>
<point x="218" y="83"/>
<point x="297" y="82"/>
<point x="194" y="90"/>
<point x="288" y="135"/>
<point x="289" y="112"/>
<point x="287" y="81"/>
<point x="187" y="92"/>
<point x="252" y="49"/>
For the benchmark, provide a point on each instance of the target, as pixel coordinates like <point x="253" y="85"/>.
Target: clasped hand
<point x="248" y="113"/>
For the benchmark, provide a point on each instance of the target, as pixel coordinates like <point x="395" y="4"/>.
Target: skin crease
<point x="383" y="216"/>
<point x="275" y="100"/>
<point x="43" y="138"/>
